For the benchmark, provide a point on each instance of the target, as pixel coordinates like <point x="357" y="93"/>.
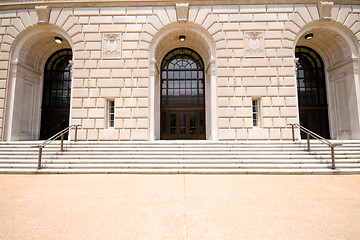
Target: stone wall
<point x="254" y="59"/>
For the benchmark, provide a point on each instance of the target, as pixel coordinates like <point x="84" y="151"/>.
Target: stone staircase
<point x="207" y="157"/>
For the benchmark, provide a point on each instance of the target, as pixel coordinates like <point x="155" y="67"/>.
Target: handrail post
<point x="76" y="127"/>
<point x="316" y="136"/>
<point x="39" y="160"/>
<point x="62" y="142"/>
<point x="332" y="157"/>
<point x="293" y="132"/>
<point x="308" y="141"/>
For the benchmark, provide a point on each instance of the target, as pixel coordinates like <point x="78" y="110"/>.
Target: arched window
<point x="312" y="91"/>
<point x="182" y="95"/>
<point x="56" y="93"/>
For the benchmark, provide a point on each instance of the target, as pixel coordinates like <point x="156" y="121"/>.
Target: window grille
<point x="111" y="113"/>
<point x="255" y="110"/>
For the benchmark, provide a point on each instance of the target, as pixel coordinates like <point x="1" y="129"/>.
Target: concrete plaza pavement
<point x="184" y="207"/>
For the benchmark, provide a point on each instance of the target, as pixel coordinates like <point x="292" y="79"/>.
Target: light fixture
<point x="182" y="38"/>
<point x="58" y="40"/>
<point x="309" y="36"/>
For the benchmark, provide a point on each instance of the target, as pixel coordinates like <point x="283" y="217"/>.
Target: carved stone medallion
<point x="254" y="44"/>
<point x="111" y="45"/>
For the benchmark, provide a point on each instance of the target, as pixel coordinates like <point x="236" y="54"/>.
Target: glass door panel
<point x="183" y="124"/>
<point x="192" y="123"/>
<point x="173" y="124"/>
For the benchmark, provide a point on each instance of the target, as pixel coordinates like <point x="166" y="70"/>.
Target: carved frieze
<point x="254" y="44"/>
<point x="111" y="46"/>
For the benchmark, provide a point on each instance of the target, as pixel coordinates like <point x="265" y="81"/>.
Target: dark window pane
<point x="192" y="123"/>
<point x="173" y="124"/>
<point x="182" y="123"/>
<point x="57" y="81"/>
<point x="163" y="122"/>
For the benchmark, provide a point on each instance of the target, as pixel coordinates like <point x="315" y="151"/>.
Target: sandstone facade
<point x="248" y="52"/>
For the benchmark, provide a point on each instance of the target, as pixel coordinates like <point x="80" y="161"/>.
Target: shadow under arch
<point x="199" y="40"/>
<point x="29" y="53"/>
<point x="339" y="50"/>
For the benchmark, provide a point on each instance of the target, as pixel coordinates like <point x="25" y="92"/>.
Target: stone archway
<point x="339" y="50"/>
<point x="29" y="53"/>
<point x="200" y="41"/>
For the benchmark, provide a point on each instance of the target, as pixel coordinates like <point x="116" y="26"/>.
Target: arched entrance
<point x="313" y="107"/>
<point x="201" y="42"/>
<point x="56" y="94"/>
<point x="30" y="54"/>
<point x="182" y="95"/>
<point x="339" y="51"/>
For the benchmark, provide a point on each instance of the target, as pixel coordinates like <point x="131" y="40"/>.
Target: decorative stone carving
<point x="157" y="74"/>
<point x="254" y="44"/>
<point x="325" y="10"/>
<point x="72" y="67"/>
<point x="43" y="13"/>
<point x="111" y="45"/>
<point x="182" y="11"/>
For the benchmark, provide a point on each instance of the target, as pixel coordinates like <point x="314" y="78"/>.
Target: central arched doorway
<point x="56" y="94"/>
<point x="182" y="95"/>
<point x="312" y="97"/>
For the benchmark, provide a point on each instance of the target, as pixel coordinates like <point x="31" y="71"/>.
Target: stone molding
<point x="16" y="4"/>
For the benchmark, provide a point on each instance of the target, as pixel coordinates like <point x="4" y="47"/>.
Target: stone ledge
<point x="17" y="4"/>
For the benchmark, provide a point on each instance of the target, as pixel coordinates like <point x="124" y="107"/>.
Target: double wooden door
<point x="315" y="118"/>
<point x="182" y="123"/>
<point x="53" y="121"/>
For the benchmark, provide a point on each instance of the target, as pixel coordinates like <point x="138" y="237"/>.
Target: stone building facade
<point x="252" y="64"/>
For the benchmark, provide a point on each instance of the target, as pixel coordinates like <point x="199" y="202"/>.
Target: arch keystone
<point x="43" y="13"/>
<point x="325" y="10"/>
<point x="182" y="11"/>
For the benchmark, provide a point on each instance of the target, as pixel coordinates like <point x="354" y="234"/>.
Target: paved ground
<point x="192" y="207"/>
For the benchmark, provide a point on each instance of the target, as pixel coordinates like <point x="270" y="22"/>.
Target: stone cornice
<point x="16" y="4"/>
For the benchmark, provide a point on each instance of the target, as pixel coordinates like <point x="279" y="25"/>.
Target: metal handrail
<point x="318" y="137"/>
<point x="54" y="137"/>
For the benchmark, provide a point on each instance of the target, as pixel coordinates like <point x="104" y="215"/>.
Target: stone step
<point x="179" y="142"/>
<point x="151" y="153"/>
<point x="278" y="171"/>
<point x="182" y="156"/>
<point x="244" y="151"/>
<point x="270" y="157"/>
<point x="180" y="166"/>
<point x="175" y="161"/>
